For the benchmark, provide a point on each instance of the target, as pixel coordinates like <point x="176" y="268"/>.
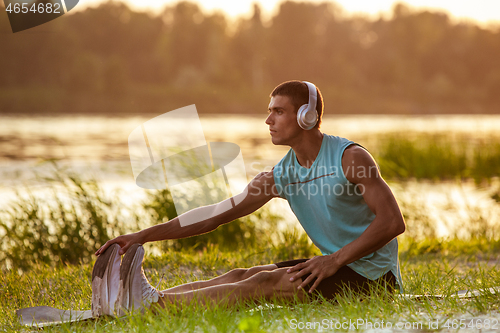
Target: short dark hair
<point x="298" y="93"/>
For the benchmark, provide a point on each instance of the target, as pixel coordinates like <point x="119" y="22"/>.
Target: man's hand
<point x="320" y="268"/>
<point x="125" y="241"/>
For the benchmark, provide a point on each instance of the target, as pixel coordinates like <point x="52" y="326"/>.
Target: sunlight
<point x="480" y="11"/>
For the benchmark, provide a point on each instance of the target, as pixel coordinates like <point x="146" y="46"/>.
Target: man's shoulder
<point x="334" y="137"/>
<point x="361" y="164"/>
<point x="335" y="146"/>
<point x="357" y="153"/>
<point x="336" y="140"/>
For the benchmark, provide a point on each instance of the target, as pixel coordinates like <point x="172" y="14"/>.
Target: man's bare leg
<point x="232" y="276"/>
<point x="265" y="284"/>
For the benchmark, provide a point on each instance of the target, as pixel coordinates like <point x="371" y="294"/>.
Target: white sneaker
<point x="105" y="281"/>
<point x="134" y="292"/>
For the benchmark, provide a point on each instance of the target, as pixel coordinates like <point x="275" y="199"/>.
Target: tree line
<point x="113" y="60"/>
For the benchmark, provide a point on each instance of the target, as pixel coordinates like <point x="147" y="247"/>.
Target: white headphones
<point x="307" y="115"/>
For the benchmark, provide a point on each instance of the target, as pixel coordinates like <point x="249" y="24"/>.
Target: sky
<point x="483" y="12"/>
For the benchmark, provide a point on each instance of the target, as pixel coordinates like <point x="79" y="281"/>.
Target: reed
<point x="437" y="156"/>
<point x="64" y="227"/>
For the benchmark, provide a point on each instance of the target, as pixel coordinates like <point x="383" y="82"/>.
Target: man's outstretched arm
<point x="258" y="192"/>
<point x="387" y="225"/>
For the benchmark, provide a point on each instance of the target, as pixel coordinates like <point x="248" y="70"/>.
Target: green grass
<point x="69" y="288"/>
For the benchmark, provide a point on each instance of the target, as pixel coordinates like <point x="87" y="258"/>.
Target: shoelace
<point x="161" y="279"/>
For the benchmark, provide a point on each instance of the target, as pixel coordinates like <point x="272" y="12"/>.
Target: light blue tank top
<point x="331" y="209"/>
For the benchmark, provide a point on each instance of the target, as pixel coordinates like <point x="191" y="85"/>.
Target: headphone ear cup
<point x="311" y="117"/>
<point x="301" y="115"/>
<point x="307" y="118"/>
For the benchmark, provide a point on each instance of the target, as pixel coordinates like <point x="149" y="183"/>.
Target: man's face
<point x="282" y="121"/>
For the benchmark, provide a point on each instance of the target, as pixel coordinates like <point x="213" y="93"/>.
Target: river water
<point x="97" y="147"/>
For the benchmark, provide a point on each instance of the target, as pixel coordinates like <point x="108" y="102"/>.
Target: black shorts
<point x="345" y="278"/>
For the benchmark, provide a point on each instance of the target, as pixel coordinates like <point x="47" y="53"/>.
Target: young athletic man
<point x="334" y="188"/>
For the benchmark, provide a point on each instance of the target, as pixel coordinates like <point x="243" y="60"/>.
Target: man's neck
<point x="308" y="148"/>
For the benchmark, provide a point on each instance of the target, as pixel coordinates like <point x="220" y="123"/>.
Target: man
<point x="333" y="186"/>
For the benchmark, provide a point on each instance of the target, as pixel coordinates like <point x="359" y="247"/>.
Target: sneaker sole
<point x="99" y="271"/>
<point x="133" y="258"/>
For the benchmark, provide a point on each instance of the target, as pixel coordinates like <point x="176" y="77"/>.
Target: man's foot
<point x="105" y="281"/>
<point x="135" y="293"/>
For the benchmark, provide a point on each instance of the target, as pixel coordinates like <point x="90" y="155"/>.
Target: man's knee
<point x="240" y="274"/>
<point x="263" y="277"/>
<point x="257" y="269"/>
<point x="236" y="274"/>
<point x="278" y="280"/>
<point x="274" y="283"/>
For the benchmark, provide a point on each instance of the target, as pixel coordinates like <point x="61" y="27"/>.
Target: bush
<point x="423" y="157"/>
<point x="247" y="231"/>
<point x="438" y="157"/>
<point x="64" y="228"/>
